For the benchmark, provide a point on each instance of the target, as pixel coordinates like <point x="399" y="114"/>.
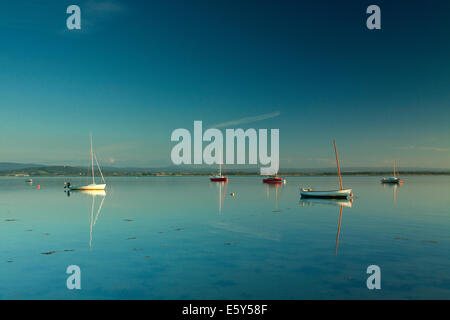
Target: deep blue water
<point x="173" y="238"/>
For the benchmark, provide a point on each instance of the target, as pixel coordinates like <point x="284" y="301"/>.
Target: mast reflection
<point x="222" y="189"/>
<point x="270" y="188"/>
<point x="341" y="203"/>
<point x="92" y="218"/>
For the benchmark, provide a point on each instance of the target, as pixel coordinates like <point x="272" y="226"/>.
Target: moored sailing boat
<point x="394" y="179"/>
<point x="93" y="185"/>
<point x="330" y="194"/>
<point x="273" y="180"/>
<point x="219" y="177"/>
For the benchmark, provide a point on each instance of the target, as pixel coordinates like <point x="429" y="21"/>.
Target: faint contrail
<point x="247" y="120"/>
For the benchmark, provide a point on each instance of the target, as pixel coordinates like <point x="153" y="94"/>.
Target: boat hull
<point x="330" y="194"/>
<point x="89" y="187"/>
<point x="273" y="180"/>
<point x="218" y="179"/>
<point x="390" y="180"/>
<point x="101" y="193"/>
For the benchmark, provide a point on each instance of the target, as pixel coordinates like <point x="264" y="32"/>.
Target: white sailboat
<point x="328" y="194"/>
<point x="394" y="179"/>
<point x="93" y="185"/>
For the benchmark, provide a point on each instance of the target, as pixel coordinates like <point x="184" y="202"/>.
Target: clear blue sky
<point x="140" y="69"/>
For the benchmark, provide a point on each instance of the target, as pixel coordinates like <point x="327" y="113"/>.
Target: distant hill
<point x="17" y="166"/>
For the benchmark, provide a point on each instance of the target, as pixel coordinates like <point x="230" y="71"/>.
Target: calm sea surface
<point x="188" y="238"/>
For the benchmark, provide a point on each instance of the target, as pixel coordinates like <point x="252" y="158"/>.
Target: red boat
<point x="219" y="179"/>
<point x="273" y="180"/>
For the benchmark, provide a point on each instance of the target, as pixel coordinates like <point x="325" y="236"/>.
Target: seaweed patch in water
<point x="48" y="253"/>
<point x="430" y="241"/>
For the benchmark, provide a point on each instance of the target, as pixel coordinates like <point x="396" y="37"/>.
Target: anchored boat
<point x="394" y="179"/>
<point x="329" y="194"/>
<point x="93" y="185"/>
<point x="219" y="177"/>
<point x="273" y="180"/>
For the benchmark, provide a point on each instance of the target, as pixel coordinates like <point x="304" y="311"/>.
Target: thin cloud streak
<point x="247" y="120"/>
<point x="436" y="149"/>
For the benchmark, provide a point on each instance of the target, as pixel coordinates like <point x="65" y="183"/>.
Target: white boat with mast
<point x="93" y="185"/>
<point x="394" y="179"/>
<point x="328" y="194"/>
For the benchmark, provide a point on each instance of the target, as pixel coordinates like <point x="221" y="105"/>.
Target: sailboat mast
<point x="92" y="162"/>
<point x="394" y="170"/>
<point x="337" y="163"/>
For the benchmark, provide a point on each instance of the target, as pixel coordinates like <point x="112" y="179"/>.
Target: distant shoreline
<point x="12" y="169"/>
<point x="355" y="174"/>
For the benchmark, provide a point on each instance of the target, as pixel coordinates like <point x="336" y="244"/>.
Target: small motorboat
<point x="29" y="180"/>
<point x="330" y="194"/>
<point x="273" y="180"/>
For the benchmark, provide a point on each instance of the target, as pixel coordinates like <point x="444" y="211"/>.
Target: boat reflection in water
<point x="341" y="203"/>
<point x="222" y="190"/>
<point x="339" y="229"/>
<point x="270" y="188"/>
<point x="326" y="202"/>
<point x="94" y="194"/>
<point x="395" y="188"/>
